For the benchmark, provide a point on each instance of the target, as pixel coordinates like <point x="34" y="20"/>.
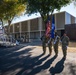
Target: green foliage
<point x="45" y="7"/>
<point x="10" y="9"/>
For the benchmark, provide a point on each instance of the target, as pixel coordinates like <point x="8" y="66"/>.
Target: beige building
<point x="33" y="29"/>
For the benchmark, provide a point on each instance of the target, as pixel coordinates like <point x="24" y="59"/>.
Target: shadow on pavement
<point x="19" y="58"/>
<point x="13" y="58"/>
<point x="29" y="67"/>
<point x="39" y="67"/>
<point x="19" y="61"/>
<point x="58" y="67"/>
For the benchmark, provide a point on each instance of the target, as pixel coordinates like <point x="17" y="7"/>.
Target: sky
<point x="71" y="9"/>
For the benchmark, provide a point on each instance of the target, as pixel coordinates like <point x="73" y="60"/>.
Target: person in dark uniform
<point x="48" y="41"/>
<point x="65" y="43"/>
<point x="56" y="43"/>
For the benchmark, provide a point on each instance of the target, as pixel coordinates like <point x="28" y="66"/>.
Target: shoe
<point x="56" y="54"/>
<point x="49" y="53"/>
<point x="64" y="57"/>
<point x="43" y="53"/>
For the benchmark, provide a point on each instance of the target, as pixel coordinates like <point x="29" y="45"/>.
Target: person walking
<point x="56" y="43"/>
<point x="65" y="43"/>
<point x="46" y="41"/>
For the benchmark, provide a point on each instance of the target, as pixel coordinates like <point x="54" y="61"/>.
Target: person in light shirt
<point x="56" y="43"/>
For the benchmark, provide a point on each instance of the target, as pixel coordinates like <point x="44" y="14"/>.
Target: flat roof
<point x="32" y="16"/>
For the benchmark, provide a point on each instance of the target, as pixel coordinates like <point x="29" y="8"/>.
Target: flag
<point x="53" y="27"/>
<point x="48" y="28"/>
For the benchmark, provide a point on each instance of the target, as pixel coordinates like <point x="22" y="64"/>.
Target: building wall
<point x="34" y="28"/>
<point x="24" y="26"/>
<point x="71" y="31"/>
<point x="34" y="25"/>
<point x="11" y="29"/>
<point x="17" y="28"/>
<point x="43" y="26"/>
<point x="60" y="20"/>
<point x="72" y="19"/>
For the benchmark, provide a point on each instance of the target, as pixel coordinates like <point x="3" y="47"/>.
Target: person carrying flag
<point x="55" y="37"/>
<point x="46" y="37"/>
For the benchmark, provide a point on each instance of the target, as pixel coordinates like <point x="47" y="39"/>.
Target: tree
<point x="1" y="12"/>
<point x="10" y="9"/>
<point x="45" y="7"/>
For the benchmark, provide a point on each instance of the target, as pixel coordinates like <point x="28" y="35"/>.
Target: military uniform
<point x="48" y="41"/>
<point x="65" y="43"/>
<point x="56" y="42"/>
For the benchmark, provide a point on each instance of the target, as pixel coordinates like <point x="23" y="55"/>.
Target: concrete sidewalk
<point x="27" y="59"/>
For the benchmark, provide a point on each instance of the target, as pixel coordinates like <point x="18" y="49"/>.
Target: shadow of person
<point x="31" y="63"/>
<point x="44" y="66"/>
<point x="58" y="67"/>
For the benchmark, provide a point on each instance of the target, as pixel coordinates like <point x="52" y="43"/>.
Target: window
<point x="75" y="20"/>
<point x="67" y="18"/>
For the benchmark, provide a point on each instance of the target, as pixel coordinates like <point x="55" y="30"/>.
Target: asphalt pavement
<point x="28" y="59"/>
